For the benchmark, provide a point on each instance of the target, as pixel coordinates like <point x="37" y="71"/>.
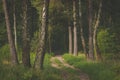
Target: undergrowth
<point x="95" y="70"/>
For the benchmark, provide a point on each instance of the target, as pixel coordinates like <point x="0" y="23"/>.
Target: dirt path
<point x="82" y="75"/>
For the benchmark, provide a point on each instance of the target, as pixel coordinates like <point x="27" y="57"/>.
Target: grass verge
<point x="96" y="71"/>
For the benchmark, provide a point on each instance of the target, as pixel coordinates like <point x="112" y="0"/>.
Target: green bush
<point x="5" y="53"/>
<point x="106" y="41"/>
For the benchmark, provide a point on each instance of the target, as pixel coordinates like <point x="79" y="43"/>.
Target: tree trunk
<point x="14" y="58"/>
<point x="49" y="39"/>
<point x="81" y="30"/>
<point x="43" y="37"/>
<point x="91" y="52"/>
<point x="70" y="39"/>
<point x="26" y="39"/>
<point x="15" y="27"/>
<point x="96" y="25"/>
<point x="75" y="28"/>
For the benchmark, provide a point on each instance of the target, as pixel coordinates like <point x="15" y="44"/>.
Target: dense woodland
<point x="85" y="33"/>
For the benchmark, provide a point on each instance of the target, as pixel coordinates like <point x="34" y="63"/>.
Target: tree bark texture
<point x="75" y="28"/>
<point x="70" y="39"/>
<point x="91" y="52"/>
<point x="81" y="30"/>
<point x="14" y="58"/>
<point x="26" y="39"/>
<point x="43" y="37"/>
<point x="96" y="25"/>
<point x="15" y="27"/>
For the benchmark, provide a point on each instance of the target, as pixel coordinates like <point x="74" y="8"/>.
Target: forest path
<point x="59" y="63"/>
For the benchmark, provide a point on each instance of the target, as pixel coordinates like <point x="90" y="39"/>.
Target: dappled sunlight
<point x="5" y="62"/>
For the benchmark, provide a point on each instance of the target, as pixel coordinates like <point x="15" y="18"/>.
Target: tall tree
<point x="70" y="38"/>
<point x="15" y="27"/>
<point x="70" y="29"/>
<point x="26" y="38"/>
<point x="42" y="37"/>
<point x="96" y="25"/>
<point x="75" y="27"/>
<point x="14" y="58"/>
<point x="81" y="29"/>
<point x="91" y="52"/>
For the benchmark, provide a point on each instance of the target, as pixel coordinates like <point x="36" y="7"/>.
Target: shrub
<point x="106" y="41"/>
<point x="5" y="53"/>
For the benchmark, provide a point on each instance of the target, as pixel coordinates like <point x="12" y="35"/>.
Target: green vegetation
<point x="106" y="41"/>
<point x="96" y="71"/>
<point x="31" y="28"/>
<point x="19" y="72"/>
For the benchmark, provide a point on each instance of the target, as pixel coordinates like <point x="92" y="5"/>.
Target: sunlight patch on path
<point x="82" y="75"/>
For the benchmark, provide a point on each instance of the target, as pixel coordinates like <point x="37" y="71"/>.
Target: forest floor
<point x="59" y="63"/>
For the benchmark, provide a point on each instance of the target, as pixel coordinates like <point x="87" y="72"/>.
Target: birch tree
<point x="14" y="58"/>
<point x="91" y="52"/>
<point x="96" y="26"/>
<point x="42" y="37"/>
<point x="75" y="51"/>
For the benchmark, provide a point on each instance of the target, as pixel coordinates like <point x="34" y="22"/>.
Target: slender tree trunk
<point x="26" y="39"/>
<point x="43" y="37"/>
<point x="75" y="29"/>
<point x="91" y="52"/>
<point x="96" y="48"/>
<point x="15" y="27"/>
<point x="70" y="39"/>
<point x="70" y="30"/>
<point x="14" y="58"/>
<point x="49" y="42"/>
<point x="81" y="30"/>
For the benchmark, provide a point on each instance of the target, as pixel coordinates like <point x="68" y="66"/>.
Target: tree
<point x="26" y="38"/>
<point x="91" y="52"/>
<point x="70" y="39"/>
<point x="96" y="25"/>
<point x="42" y="37"/>
<point x="14" y="58"/>
<point x="81" y="30"/>
<point x="70" y="29"/>
<point x="15" y="27"/>
<point x="75" y="28"/>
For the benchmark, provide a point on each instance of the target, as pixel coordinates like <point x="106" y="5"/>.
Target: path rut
<point x="82" y="75"/>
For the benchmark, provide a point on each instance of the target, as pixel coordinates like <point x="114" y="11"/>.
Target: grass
<point x="19" y="72"/>
<point x="96" y="71"/>
<point x="8" y="72"/>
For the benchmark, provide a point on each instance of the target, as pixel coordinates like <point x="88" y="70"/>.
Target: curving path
<point x="82" y="75"/>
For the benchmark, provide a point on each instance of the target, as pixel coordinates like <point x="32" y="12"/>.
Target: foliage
<point x="5" y="53"/>
<point x="96" y="71"/>
<point x="60" y="14"/>
<point x="8" y="72"/>
<point x="106" y="41"/>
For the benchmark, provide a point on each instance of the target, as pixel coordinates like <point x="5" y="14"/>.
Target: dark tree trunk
<point x="26" y="39"/>
<point x="43" y="37"/>
<point x="70" y="39"/>
<point x="75" y="28"/>
<point x="14" y="58"/>
<point x="81" y="30"/>
<point x="91" y="52"/>
<point x="49" y="41"/>
<point x="96" y="25"/>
